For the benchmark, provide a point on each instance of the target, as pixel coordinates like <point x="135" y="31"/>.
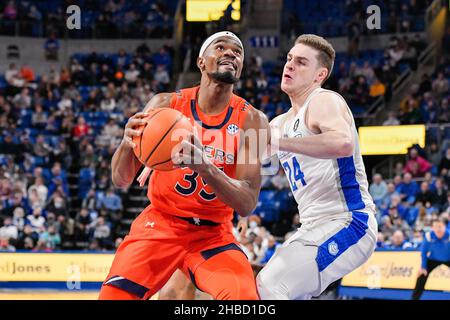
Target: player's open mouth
<point x="287" y="76"/>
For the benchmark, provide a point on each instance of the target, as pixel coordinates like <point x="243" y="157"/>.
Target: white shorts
<point x="316" y="256"/>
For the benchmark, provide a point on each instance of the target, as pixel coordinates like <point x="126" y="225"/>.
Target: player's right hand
<point x="422" y="271"/>
<point x="130" y="128"/>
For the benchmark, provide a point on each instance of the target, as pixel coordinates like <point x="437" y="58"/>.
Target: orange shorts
<point x="158" y="244"/>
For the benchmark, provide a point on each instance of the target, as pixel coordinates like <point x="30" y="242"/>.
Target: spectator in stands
<point x="386" y="200"/>
<point x="10" y="11"/>
<point x="102" y="232"/>
<point x="5" y="189"/>
<point x="423" y="220"/>
<point x="41" y="190"/>
<point x="444" y="165"/>
<point x="19" y="218"/>
<point x="132" y="75"/>
<point x="391" y="120"/>
<point x="418" y="43"/>
<point x="90" y="201"/>
<point x="110" y="201"/>
<point x="377" y="89"/>
<point x="446" y="206"/>
<point x="259" y="248"/>
<point x="353" y="35"/>
<point x="81" y="129"/>
<point x="34" y="200"/>
<point x="8" y="146"/>
<point x="41" y="148"/>
<point x="16" y="200"/>
<point x="435" y="252"/>
<point x="108" y="103"/>
<point x="398" y="170"/>
<point x="28" y="238"/>
<point x="57" y="205"/>
<point x="9" y="230"/>
<point x="398" y="241"/>
<point x="110" y="134"/>
<point x="22" y="100"/>
<point x="395" y="54"/>
<point x="416" y="165"/>
<point x="272" y="246"/>
<point x="378" y="189"/>
<point x="409" y="55"/>
<point x="163" y="57"/>
<point x="39" y="118"/>
<point x="64" y="78"/>
<point x="49" y="240"/>
<point x="417" y="238"/>
<point x="162" y="77"/>
<point x="439" y="194"/>
<point x="36" y="220"/>
<point x="82" y="224"/>
<point x="51" y="47"/>
<point x="27" y="74"/>
<point x="408" y="188"/>
<point x="424" y="195"/>
<point x="61" y="154"/>
<point x="5" y="245"/>
<point x="381" y="240"/>
<point x="13" y="77"/>
<point x="105" y="75"/>
<point x="440" y="85"/>
<point x="444" y="111"/>
<point x="434" y="154"/>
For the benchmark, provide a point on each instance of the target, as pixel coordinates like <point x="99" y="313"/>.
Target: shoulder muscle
<point x="160" y="100"/>
<point x="328" y="110"/>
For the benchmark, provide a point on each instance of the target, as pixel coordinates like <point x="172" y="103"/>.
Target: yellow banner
<point x="210" y="10"/>
<point x="396" y="270"/>
<point x="390" y="139"/>
<point x="70" y="267"/>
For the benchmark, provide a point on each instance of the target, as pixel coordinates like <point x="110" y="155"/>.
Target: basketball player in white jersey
<point x="318" y="149"/>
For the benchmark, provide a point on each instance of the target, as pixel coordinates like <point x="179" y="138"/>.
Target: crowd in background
<point x="60" y="130"/>
<point x="99" y="18"/>
<point x="347" y="18"/>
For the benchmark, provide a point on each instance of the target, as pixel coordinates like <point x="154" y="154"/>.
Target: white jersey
<point x="323" y="188"/>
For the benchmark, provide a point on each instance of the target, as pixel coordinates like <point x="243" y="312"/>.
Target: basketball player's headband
<point x="216" y="35"/>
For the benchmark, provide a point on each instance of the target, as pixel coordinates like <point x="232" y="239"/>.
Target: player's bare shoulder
<point x="159" y="100"/>
<point x="325" y="105"/>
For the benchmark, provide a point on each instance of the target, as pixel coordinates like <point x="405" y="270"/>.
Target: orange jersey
<point x="182" y="192"/>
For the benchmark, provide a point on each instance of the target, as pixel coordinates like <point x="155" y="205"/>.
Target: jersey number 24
<point x="294" y="174"/>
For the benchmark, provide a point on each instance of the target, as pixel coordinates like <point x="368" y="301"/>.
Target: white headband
<point x="216" y="35"/>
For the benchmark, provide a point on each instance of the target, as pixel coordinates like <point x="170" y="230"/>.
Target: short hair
<point x="326" y="52"/>
<point x="439" y="220"/>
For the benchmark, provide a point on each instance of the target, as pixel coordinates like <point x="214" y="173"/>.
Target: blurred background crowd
<point x="59" y="129"/>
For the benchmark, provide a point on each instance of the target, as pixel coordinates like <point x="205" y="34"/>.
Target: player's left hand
<point x="191" y="155"/>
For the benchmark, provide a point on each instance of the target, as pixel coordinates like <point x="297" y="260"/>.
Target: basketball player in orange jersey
<point x="188" y="225"/>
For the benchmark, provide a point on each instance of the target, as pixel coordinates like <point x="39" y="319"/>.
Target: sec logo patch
<point x="232" y="129"/>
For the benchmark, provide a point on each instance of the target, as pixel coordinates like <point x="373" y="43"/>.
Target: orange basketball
<point x="165" y="128"/>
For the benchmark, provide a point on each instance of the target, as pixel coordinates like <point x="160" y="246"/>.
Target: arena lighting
<point x="210" y="10"/>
